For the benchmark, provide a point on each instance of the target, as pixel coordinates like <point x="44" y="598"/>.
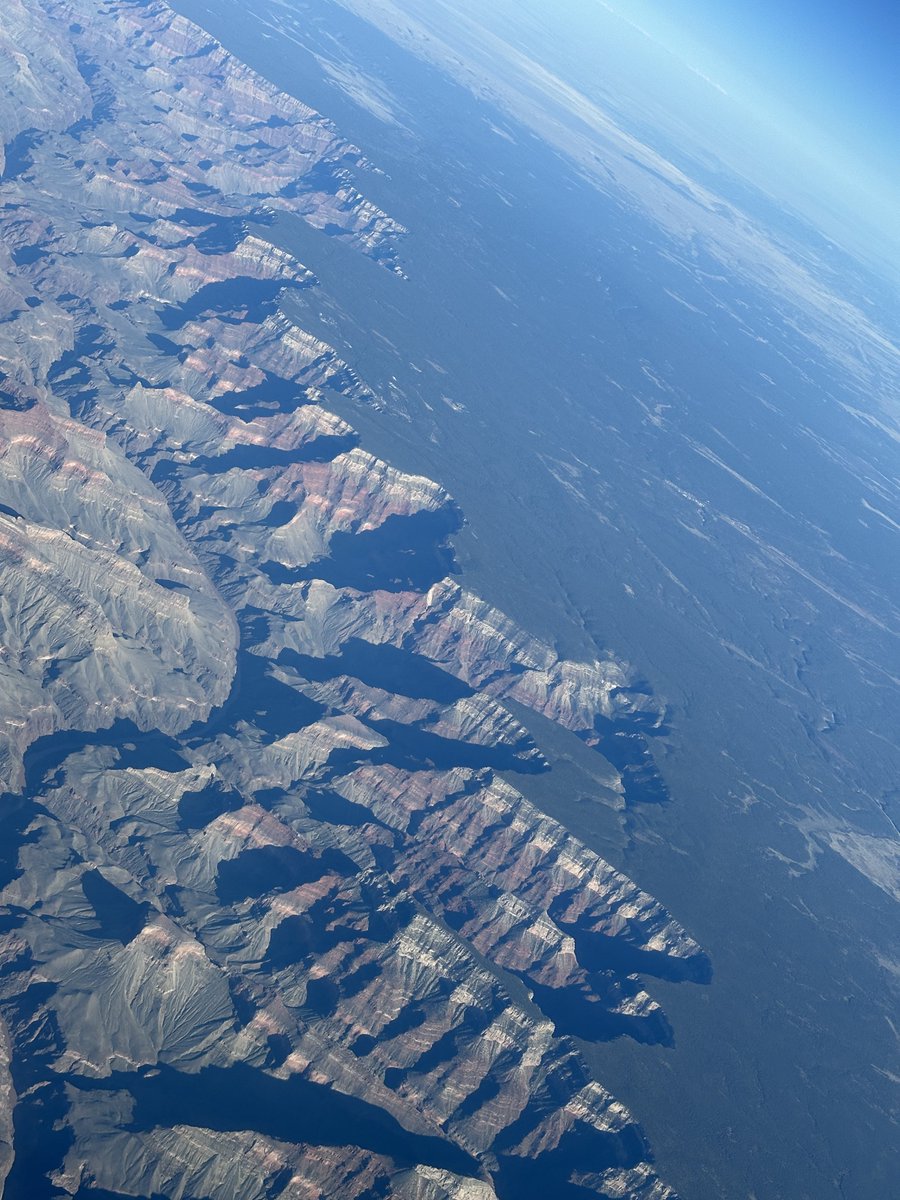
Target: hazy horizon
<point x="822" y="78"/>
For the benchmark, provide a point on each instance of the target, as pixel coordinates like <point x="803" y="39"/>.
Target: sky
<point x="827" y="72"/>
<point x="835" y="61"/>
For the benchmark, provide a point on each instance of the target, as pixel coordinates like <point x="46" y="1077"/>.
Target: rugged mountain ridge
<point x="276" y="921"/>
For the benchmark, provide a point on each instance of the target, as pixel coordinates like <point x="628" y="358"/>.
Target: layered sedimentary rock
<point x="106" y="612"/>
<point x="277" y="920"/>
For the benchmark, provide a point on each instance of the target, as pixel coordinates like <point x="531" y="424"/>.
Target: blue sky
<point x="832" y="60"/>
<point x="826" y="73"/>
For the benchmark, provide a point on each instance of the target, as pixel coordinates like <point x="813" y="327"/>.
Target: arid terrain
<point x="277" y="920"/>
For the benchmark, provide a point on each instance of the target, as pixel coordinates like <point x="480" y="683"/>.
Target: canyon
<point x="277" y="919"/>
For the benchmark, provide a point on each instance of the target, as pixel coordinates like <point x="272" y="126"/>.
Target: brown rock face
<point x="275" y="921"/>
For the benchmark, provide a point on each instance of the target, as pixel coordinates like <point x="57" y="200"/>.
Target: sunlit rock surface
<point x="276" y="920"/>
